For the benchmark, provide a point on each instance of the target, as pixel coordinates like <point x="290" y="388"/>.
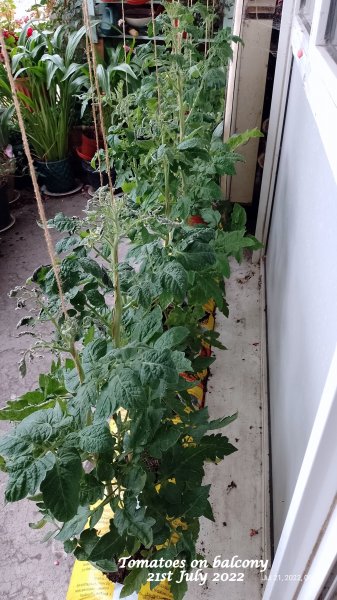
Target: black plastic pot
<point x="92" y="176"/>
<point x="56" y="175"/>
<point x="6" y="219"/>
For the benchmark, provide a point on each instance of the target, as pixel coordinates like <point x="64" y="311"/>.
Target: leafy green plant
<point x="166" y="139"/>
<point x="124" y="368"/>
<point x="52" y="80"/>
<point x="116" y="69"/>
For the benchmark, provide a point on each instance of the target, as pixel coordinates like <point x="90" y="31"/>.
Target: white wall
<point x="301" y="293"/>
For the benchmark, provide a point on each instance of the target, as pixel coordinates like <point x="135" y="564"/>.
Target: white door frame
<point x="275" y="130"/>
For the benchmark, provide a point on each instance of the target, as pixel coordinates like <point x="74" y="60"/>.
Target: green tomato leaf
<point x="123" y="390"/>
<point x="91" y="490"/>
<point x="134" y="581"/>
<point x="134" y="521"/>
<point x="178" y="590"/>
<point x="238" y="139"/>
<point x="61" y="487"/>
<point x="16" y="410"/>
<point x="157" y="365"/>
<point x="174" y="280"/>
<point x="223" y="422"/>
<point x="172" y="338"/>
<point x="148" y="327"/>
<point x="134" y="478"/>
<point x="109" y="545"/>
<point x="75" y="525"/>
<point x="166" y="437"/>
<point x="96" y="438"/>
<point x="26" y="475"/>
<point x="197" y="503"/>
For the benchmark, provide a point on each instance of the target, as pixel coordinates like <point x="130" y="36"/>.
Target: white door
<point x="298" y="224"/>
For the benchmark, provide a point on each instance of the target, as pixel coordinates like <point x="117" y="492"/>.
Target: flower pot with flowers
<point x="53" y="78"/>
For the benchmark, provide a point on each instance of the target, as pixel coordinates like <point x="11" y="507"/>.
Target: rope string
<point x="156" y="57"/>
<point x="93" y="104"/>
<point x="36" y="188"/>
<point x="125" y="52"/>
<point x="206" y="30"/>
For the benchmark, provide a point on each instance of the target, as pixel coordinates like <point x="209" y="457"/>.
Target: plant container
<point x="6" y="219"/>
<point x="57" y="175"/>
<point x="12" y="193"/>
<point x="195" y="220"/>
<point x="88" y="147"/>
<point x="92" y="175"/>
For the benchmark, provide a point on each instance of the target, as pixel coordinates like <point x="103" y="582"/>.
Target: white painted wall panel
<point x="301" y="293"/>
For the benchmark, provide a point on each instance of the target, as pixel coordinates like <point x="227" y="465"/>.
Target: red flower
<point x="29" y="32"/>
<point x="5" y="34"/>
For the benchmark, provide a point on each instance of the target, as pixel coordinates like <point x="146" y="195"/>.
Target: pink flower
<point x="29" y="32"/>
<point x="126" y="48"/>
<point x="8" y="151"/>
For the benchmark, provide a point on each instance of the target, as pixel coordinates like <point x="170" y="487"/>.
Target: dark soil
<point x="119" y="576"/>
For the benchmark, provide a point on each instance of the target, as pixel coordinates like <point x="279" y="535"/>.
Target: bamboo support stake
<point x="36" y="188"/>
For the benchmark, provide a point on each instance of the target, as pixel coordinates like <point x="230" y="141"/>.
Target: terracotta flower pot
<point x="88" y="147"/>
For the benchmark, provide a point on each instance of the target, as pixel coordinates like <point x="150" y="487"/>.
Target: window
<point x="307" y="11"/>
<point x="314" y="49"/>
<point x="331" y="30"/>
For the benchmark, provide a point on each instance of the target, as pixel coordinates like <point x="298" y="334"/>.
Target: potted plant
<point x="113" y="423"/>
<point x="53" y="80"/>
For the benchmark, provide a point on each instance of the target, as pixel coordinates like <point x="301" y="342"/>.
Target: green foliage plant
<point x="52" y="78"/>
<point x="113" y="423"/>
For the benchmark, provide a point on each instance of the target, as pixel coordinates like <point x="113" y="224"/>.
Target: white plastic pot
<point x="117" y="593"/>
